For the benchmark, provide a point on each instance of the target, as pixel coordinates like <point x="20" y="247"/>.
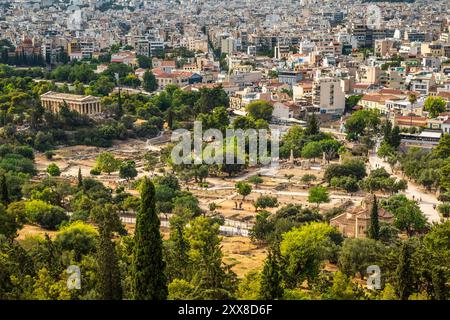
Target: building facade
<point x="87" y="105"/>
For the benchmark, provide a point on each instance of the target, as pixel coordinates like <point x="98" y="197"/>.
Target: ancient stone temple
<point x="88" y="105"/>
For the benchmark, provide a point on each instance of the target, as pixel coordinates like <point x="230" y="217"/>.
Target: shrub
<point x="95" y="172"/>
<point x="44" y="214"/>
<point x="77" y="236"/>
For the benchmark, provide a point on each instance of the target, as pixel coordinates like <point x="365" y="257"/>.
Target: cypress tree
<point x="109" y="282"/>
<point x="312" y="127"/>
<point x="438" y="279"/>
<point x="403" y="273"/>
<point x="374" y="227"/>
<point x="80" y="178"/>
<point x="271" y="279"/>
<point x="170" y="118"/>
<point x="149" y="279"/>
<point x="180" y="247"/>
<point x="4" y="195"/>
<point x="387" y="132"/>
<point x="52" y="257"/>
<point x="395" y="137"/>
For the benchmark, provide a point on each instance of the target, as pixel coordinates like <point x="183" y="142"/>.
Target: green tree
<point x="78" y="237"/>
<point x="385" y="150"/>
<point x="312" y="150"/>
<point x="312" y="125"/>
<point x="263" y="227"/>
<point x="318" y="195"/>
<point x="249" y="286"/>
<point x="442" y="150"/>
<point x="80" y="178"/>
<point x="53" y="170"/>
<point x="178" y="258"/>
<point x="265" y="202"/>
<point x="213" y="280"/>
<point x="351" y="102"/>
<point x="149" y="82"/>
<point x="304" y="249"/>
<point x="260" y="110"/>
<point x="109" y="280"/>
<point x="10" y="223"/>
<point x="355" y="168"/>
<point x="404" y="273"/>
<point x="144" y="62"/>
<point x="330" y="147"/>
<point x="4" y="193"/>
<point x="357" y="254"/>
<point x="373" y="231"/>
<point x="44" y="214"/>
<point x="360" y="123"/>
<point x="102" y="86"/>
<point x="408" y="216"/>
<point x="180" y="289"/>
<point x="438" y="277"/>
<point x="395" y="137"/>
<point x="308" y="178"/>
<point x="127" y="170"/>
<point x="434" y="105"/>
<point x="444" y="209"/>
<point x="244" y="189"/>
<point x="271" y="281"/>
<point x="106" y="162"/>
<point x="149" y="280"/>
<point x="255" y="180"/>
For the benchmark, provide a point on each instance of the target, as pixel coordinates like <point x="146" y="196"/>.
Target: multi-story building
<point x="289" y="77"/>
<point x="395" y="78"/>
<point x="369" y="74"/>
<point x="156" y="47"/>
<point x="422" y="84"/>
<point x="142" y="48"/>
<point x="328" y="96"/>
<point x="79" y="49"/>
<point x="228" y="45"/>
<point x="415" y="36"/>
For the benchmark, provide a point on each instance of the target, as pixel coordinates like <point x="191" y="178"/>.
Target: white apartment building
<point x="328" y="96"/>
<point x="422" y="84"/>
<point x="228" y="45"/>
<point x="155" y="47"/>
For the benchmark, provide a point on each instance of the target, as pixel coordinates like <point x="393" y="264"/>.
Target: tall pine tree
<point x="387" y="132"/>
<point x="180" y="248"/>
<point x="395" y="137"/>
<point x="109" y="281"/>
<point x="439" y="279"/>
<point x="4" y="195"/>
<point x="149" y="279"/>
<point x="271" y="279"/>
<point x="404" y="273"/>
<point x="312" y="127"/>
<point x="373" y="231"/>
<point x="80" y="178"/>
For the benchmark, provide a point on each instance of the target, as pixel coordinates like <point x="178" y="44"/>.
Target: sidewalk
<point x="412" y="192"/>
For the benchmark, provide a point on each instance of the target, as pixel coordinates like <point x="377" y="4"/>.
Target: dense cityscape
<point x="224" y="150"/>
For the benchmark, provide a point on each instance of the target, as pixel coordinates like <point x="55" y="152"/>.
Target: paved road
<point x="426" y="200"/>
